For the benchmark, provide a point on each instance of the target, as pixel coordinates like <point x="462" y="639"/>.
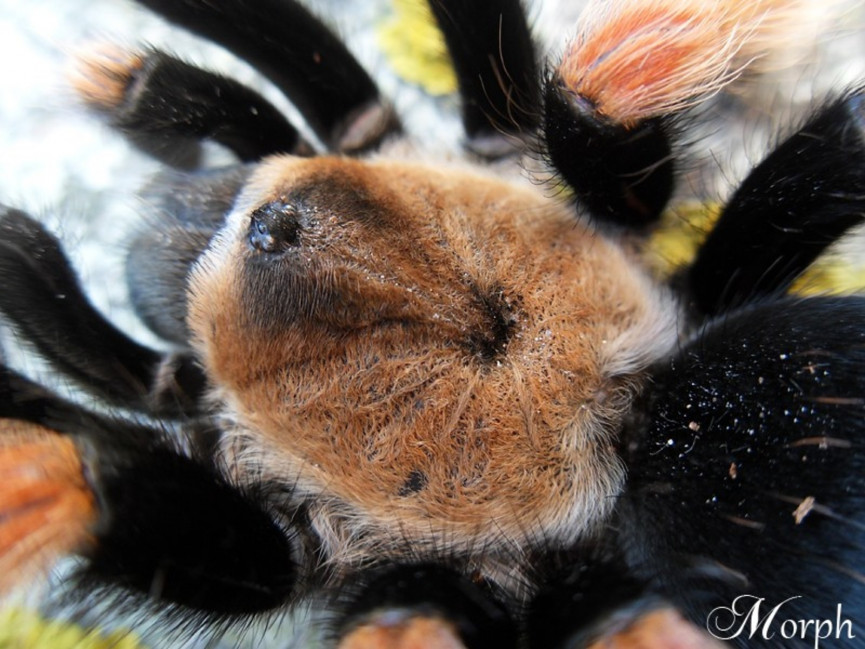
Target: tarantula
<point x="445" y="407"/>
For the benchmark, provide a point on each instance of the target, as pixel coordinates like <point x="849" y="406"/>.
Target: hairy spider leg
<point x="614" y="102"/>
<point x="598" y="603"/>
<point x="143" y="514"/>
<point x="43" y="299"/>
<point x="424" y="605"/>
<point x="302" y="57"/>
<point x="163" y="105"/>
<point x="619" y="174"/>
<point x="803" y="197"/>
<point x="496" y="66"/>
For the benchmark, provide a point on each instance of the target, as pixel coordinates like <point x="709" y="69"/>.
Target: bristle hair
<point x="637" y="60"/>
<point x="103" y="75"/>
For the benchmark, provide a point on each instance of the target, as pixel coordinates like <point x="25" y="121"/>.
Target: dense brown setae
<point x="433" y="356"/>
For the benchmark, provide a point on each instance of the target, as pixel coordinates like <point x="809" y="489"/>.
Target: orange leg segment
<point x="47" y="509"/>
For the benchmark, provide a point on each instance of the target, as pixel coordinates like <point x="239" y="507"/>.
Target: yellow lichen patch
<point x="682" y="230"/>
<point x="415" y="48"/>
<point x="684" y="227"/>
<point x="832" y="274"/>
<point x="23" y="629"/>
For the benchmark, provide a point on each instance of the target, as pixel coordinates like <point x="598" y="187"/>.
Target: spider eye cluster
<point x="275" y="227"/>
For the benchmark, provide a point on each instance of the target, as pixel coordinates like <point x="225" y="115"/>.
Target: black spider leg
<point x="496" y="66"/>
<point x="596" y="598"/>
<point x="399" y="595"/>
<point x="301" y="56"/>
<point x="21" y="398"/>
<point x="805" y="195"/>
<point x="164" y="105"/>
<point x="570" y="602"/>
<point x="42" y="298"/>
<point x="620" y="174"/>
<point x="170" y="528"/>
<point x="748" y="478"/>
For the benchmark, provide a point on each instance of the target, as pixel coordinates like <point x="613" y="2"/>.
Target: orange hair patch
<point x="412" y="633"/>
<point x="636" y="60"/>
<point x="103" y="75"/>
<point x="658" y="629"/>
<point x="46" y="506"/>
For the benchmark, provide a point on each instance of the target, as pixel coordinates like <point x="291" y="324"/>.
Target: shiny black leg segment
<point x="748" y="478"/>
<point x="431" y="591"/>
<point x="42" y="298"/>
<point x="175" y="530"/>
<point x="164" y="101"/>
<point x="301" y="56"/>
<point x="623" y="175"/>
<point x="799" y="200"/>
<point x="170" y="527"/>
<point x="496" y="66"/>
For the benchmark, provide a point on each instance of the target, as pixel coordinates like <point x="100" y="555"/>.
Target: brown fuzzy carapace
<point x="431" y="356"/>
<point x="46" y="506"/>
<point x="636" y="60"/>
